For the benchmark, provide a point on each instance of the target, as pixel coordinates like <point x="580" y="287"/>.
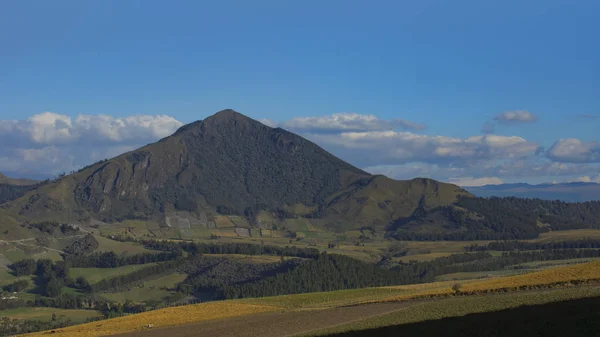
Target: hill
<point x="4" y="180"/>
<point x="572" y="192"/>
<point x="230" y="164"/>
<point x="231" y="172"/>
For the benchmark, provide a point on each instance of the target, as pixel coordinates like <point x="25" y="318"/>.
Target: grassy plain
<point x="155" y="289"/>
<point x="108" y="245"/>
<point x="45" y="314"/>
<point x="94" y="275"/>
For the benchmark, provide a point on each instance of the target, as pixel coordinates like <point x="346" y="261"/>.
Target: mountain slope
<point x="230" y="164"/>
<point x="572" y="192"/>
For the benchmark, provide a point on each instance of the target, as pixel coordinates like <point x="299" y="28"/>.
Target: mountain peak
<point x="225" y="114"/>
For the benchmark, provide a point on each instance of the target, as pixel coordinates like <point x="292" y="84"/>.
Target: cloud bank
<point x="51" y="143"/>
<point x="345" y="122"/>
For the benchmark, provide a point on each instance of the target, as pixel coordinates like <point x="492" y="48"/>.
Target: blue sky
<point x="452" y="66"/>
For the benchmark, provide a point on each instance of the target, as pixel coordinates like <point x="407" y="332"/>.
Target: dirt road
<point x="276" y="324"/>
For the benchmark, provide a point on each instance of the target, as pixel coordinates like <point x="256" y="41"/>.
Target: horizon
<point x="464" y="92"/>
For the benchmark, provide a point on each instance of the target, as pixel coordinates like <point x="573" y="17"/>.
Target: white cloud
<point x="470" y="181"/>
<point x="513" y="170"/>
<point x="572" y="150"/>
<point x="518" y="116"/>
<point x="341" y="122"/>
<point x="391" y="147"/>
<point x="50" y="128"/>
<point x="50" y="143"/>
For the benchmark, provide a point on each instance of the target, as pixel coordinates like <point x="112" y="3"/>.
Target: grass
<point x="579" y="272"/>
<point x="151" y="290"/>
<point x="422" y="257"/>
<point x="328" y="299"/>
<point x="6" y="277"/>
<point x="45" y="314"/>
<point x="574" y="234"/>
<point x="108" y="245"/>
<point x="460" y="306"/>
<point x="163" y="318"/>
<point x="296" y="225"/>
<point x="94" y="275"/>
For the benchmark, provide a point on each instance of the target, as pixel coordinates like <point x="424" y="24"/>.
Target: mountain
<point x="229" y="164"/>
<point x="572" y="192"/>
<point x="4" y="180"/>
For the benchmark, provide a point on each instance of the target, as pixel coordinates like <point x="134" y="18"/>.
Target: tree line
<point x="231" y="248"/>
<point x="113" y="260"/>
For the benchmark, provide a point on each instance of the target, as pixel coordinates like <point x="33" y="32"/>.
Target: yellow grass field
<point x="162" y="318"/>
<point x="574" y="234"/>
<point x="579" y="272"/>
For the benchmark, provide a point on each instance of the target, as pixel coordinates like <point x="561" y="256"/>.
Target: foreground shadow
<point x="572" y="318"/>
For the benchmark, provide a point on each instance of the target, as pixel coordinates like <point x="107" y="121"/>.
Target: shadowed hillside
<point x="574" y="318"/>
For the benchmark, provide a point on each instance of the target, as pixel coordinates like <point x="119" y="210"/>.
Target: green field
<point x="94" y="275"/>
<point x="151" y="290"/>
<point x="45" y="314"/>
<point x="108" y="245"/>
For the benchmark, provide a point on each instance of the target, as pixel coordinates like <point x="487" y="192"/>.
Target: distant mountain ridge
<point x="571" y="192"/>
